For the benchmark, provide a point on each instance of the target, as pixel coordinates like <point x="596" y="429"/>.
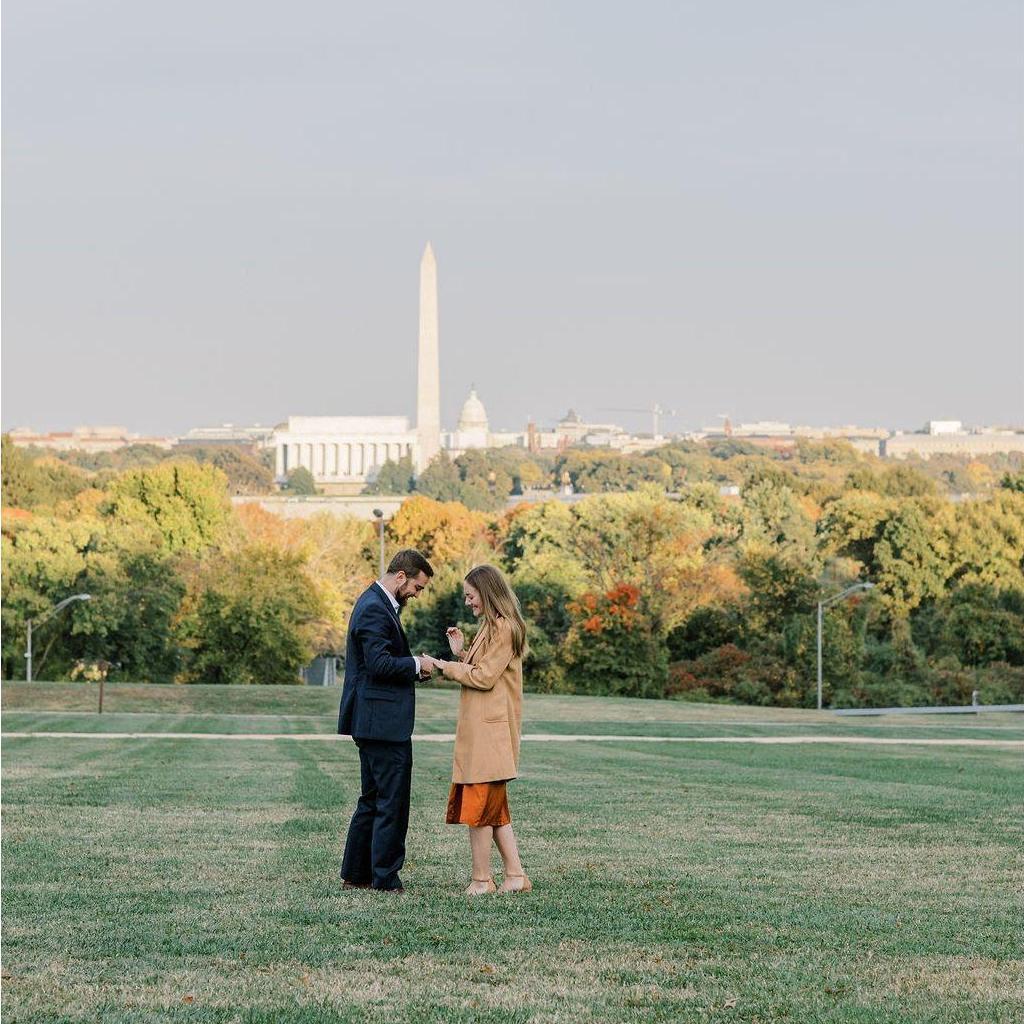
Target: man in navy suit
<point x="378" y="707"/>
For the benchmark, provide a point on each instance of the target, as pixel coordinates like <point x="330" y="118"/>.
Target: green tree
<point x="772" y="514"/>
<point x="545" y="607"/>
<point x="487" y="476"/>
<point x="393" y="478"/>
<point x="440" y="480"/>
<point x="300" y="481"/>
<point x="911" y="559"/>
<point x="187" y="502"/>
<point x="29" y="483"/>
<point x="43" y="562"/>
<point x="852" y="525"/>
<point x="246" y="472"/>
<point x="898" y="482"/>
<point x="640" y="540"/>
<point x="780" y="589"/>
<point x="705" y="629"/>
<point x="976" y="624"/>
<point x="988" y="541"/>
<point x="593" y="471"/>
<point x="907" y="482"/>
<point x="124" y="566"/>
<point x="251" y="616"/>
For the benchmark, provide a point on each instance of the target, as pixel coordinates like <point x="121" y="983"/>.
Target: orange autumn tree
<point x="613" y="640"/>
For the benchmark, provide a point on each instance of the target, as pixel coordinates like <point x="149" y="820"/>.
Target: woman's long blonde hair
<point x="499" y="601"/>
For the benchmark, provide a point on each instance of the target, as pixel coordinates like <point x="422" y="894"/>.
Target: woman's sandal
<point x="491" y="887"/>
<point x="525" y="887"/>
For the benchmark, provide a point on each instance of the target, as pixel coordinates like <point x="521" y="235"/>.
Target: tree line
<point x="486" y="479"/>
<point x="646" y="587"/>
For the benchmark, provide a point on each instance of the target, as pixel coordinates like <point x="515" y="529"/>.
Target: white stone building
<point x="343" y="452"/>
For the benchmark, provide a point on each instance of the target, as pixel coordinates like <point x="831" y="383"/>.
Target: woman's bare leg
<point x="480" y="845"/>
<point x="505" y="840"/>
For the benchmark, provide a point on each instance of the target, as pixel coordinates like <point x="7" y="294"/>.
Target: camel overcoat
<point x="490" y="707"/>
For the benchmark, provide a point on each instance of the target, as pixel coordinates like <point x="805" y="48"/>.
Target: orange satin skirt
<point x="478" y="804"/>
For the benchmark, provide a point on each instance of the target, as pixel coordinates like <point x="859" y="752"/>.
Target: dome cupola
<point x="474" y="415"/>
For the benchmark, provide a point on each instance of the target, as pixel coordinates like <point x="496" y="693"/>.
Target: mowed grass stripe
<point x="537" y="737"/>
<point x="974" y="724"/>
<point x="432" y="702"/>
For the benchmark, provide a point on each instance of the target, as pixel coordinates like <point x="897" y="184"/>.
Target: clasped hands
<point x="428" y="665"/>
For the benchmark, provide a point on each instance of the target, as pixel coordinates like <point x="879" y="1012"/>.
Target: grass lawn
<point x="185" y="880"/>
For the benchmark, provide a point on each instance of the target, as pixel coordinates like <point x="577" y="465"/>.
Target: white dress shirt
<point x="395" y="605"/>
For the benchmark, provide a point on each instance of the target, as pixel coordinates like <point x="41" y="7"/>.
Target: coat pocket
<point x="378" y="693"/>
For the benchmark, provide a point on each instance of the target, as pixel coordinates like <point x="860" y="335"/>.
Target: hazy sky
<point x="811" y="211"/>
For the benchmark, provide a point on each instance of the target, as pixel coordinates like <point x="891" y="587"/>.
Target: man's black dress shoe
<point x="354" y="885"/>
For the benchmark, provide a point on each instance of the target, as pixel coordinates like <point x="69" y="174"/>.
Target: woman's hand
<point x="456" y="641"/>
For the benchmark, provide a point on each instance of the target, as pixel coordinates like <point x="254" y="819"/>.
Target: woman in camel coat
<point x="487" y="733"/>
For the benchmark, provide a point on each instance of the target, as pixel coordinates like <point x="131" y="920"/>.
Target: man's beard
<point x="401" y="598"/>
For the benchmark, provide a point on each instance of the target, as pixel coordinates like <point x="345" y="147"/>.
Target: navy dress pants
<point x="375" y="848"/>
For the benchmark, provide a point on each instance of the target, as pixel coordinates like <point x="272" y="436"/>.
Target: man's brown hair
<point x="411" y="562"/>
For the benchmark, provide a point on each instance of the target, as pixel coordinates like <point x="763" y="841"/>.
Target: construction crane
<point x="654" y="411"/>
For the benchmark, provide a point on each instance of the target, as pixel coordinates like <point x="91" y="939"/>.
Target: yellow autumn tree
<point x="446" y="532"/>
<point x="336" y="555"/>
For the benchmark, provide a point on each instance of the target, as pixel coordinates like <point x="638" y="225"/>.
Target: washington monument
<point x="428" y="397"/>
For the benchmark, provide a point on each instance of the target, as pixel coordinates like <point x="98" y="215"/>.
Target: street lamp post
<point x="822" y="605"/>
<point x="49" y="615"/>
<point x="378" y="514"/>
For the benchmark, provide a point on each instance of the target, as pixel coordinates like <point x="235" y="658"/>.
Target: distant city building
<point x="782" y="437"/>
<point x="763" y="428"/>
<point x="86" y="439"/>
<point x="228" y="434"/>
<point x="849" y="433"/>
<point x="939" y="427"/>
<point x="774" y="428"/>
<point x="937" y="439"/>
<point x="572" y="429"/>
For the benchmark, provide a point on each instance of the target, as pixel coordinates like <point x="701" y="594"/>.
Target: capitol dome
<point x="474" y="415"/>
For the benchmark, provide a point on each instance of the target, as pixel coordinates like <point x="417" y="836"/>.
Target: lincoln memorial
<point x="343" y="452"/>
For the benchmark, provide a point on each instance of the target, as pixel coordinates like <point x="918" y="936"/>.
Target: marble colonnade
<point x="338" y="459"/>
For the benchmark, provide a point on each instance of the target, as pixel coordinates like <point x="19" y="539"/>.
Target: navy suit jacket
<point x="378" y="701"/>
